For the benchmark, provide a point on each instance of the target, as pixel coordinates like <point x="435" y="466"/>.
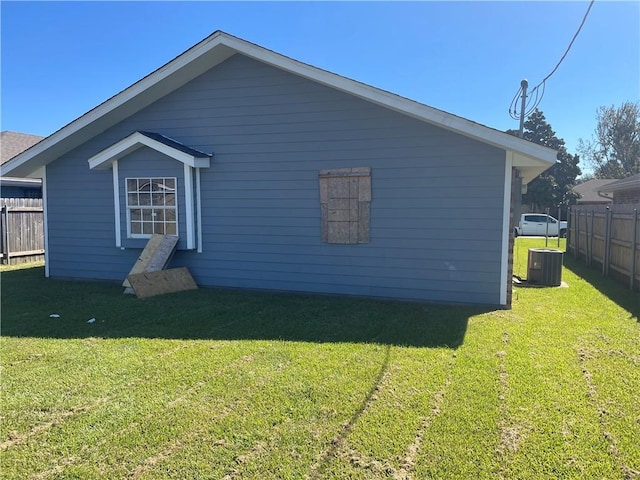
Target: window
<point x="151" y="207"/>
<point x="345" y="201"/>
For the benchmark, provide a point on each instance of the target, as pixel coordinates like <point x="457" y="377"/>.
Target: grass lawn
<point x="235" y="385"/>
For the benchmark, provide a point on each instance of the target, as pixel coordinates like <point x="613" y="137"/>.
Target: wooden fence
<point x="21" y="230"/>
<point x="607" y="238"/>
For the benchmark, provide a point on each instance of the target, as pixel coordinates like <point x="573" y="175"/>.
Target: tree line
<point x="613" y="151"/>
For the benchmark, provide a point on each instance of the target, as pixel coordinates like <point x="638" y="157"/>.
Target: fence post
<point x="593" y="213"/>
<point x="634" y="245"/>
<point x="576" y="248"/>
<point x="559" y="221"/>
<point x="607" y="240"/>
<point x="5" y="233"/>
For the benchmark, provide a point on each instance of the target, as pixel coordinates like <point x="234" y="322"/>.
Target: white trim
<point x="217" y="48"/>
<point x="116" y="204"/>
<point x="506" y="212"/>
<point x="42" y="173"/>
<point x="188" y="200"/>
<point x="198" y="210"/>
<point x="137" y="140"/>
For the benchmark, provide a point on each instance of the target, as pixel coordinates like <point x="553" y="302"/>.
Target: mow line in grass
<point x="129" y="427"/>
<point x="18" y="439"/>
<point x="592" y="394"/>
<point x="199" y="431"/>
<point x="325" y="456"/>
<point x="182" y="398"/>
<point x="509" y="436"/>
<point x="408" y="462"/>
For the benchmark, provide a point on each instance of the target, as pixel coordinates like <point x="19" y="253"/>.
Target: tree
<point x="554" y="186"/>
<point x="614" y="148"/>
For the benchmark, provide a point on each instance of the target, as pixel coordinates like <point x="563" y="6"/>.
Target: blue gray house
<point x="278" y="175"/>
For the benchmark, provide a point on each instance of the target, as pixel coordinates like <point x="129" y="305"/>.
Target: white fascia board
<point x="106" y="157"/>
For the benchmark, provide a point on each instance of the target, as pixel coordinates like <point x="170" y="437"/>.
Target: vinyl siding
<point x="436" y="209"/>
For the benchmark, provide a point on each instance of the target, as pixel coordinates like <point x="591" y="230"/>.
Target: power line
<point x="584" y="19"/>
<point x="514" y="103"/>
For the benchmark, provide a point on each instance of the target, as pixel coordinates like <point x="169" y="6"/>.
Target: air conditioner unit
<point x="544" y="267"/>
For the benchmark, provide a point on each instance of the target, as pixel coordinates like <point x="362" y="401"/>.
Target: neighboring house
<point x="11" y="144"/>
<point x="590" y="195"/>
<point x="626" y="190"/>
<point x="318" y="183"/>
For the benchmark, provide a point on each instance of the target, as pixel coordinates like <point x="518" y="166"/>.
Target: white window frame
<point x="129" y="207"/>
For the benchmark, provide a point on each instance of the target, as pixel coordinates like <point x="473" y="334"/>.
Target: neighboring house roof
<point x="13" y="143"/>
<point x="588" y="192"/>
<point x="531" y="159"/>
<point x="629" y="183"/>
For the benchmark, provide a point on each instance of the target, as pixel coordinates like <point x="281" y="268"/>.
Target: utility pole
<point x="524" y="84"/>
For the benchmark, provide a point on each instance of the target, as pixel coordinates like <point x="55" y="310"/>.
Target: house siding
<point x="436" y="209"/>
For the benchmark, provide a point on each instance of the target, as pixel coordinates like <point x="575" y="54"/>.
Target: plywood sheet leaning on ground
<point x="172" y="280"/>
<point x="155" y="256"/>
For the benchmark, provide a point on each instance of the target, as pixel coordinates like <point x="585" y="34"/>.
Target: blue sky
<point x="60" y="59"/>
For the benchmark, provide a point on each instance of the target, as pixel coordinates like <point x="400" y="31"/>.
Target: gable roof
<point x="530" y="158"/>
<point x="160" y="143"/>
<point x="13" y="143"/>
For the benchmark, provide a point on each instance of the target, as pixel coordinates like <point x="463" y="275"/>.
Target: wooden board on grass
<point x="155" y="256"/>
<point x="149" y="284"/>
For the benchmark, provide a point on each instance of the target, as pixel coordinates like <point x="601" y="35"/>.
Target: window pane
<point x="132" y="199"/>
<point x="132" y="185"/>
<point x="170" y="229"/>
<point x="170" y="183"/>
<point x="157" y="185"/>
<point x="136" y="214"/>
<point x="170" y="214"/>
<point x="158" y="215"/>
<point x="147" y="215"/>
<point x="157" y="199"/>
<point x="136" y="227"/>
<point x="147" y="228"/>
<point x="158" y="228"/>
<point x="144" y="185"/>
<point x="170" y="199"/>
<point x="144" y="199"/>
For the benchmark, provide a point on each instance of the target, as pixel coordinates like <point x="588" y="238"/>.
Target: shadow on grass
<point x="616" y="291"/>
<point x="28" y="299"/>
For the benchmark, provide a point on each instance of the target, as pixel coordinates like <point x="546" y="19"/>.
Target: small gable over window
<point x="171" y="148"/>
<point x="151" y="193"/>
<point x="345" y="203"/>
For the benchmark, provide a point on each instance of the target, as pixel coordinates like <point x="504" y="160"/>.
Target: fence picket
<point x="611" y="240"/>
<point x="22" y="227"/>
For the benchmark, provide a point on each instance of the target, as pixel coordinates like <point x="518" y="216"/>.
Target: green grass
<point x="227" y="384"/>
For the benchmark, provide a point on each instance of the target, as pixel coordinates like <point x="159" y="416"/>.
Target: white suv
<point x="540" y="224"/>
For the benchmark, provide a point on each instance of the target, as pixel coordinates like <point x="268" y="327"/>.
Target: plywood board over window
<point x="345" y="203"/>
